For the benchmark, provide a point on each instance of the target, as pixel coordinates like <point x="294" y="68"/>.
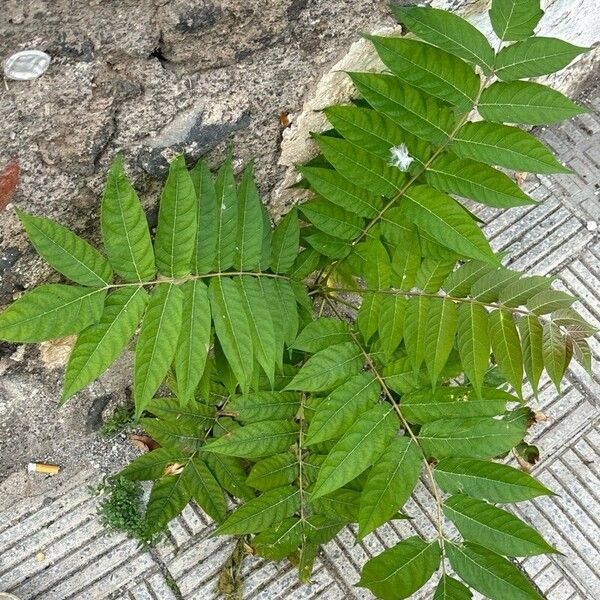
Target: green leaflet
<point x="281" y="540"/>
<point x="202" y="486"/>
<point x="488" y="287"/>
<point x="415" y="326"/>
<point x="260" y="322"/>
<point x="555" y="353"/>
<point x="473" y="342"/>
<point x="50" y="312"/>
<point x="515" y="19"/>
<point x="401" y="570"/>
<point x="176" y="231"/>
<point x="230" y="474"/>
<point x="332" y="219"/>
<point x="375" y="132"/>
<point x="446" y="222"/>
<point x="489" y="573"/>
<point x="525" y="102"/>
<point x="389" y="485"/>
<point x="458" y="283"/>
<point x="362" y="168"/>
<point x="232" y="328"/>
<point x="273" y="472"/>
<point x="194" y="339"/>
<point x="205" y="249"/>
<point x="157" y="342"/>
<point x="328" y="368"/>
<point x="430" y="69"/>
<point x="306" y="263"/>
<point x="125" y="233"/>
<point x="448" y="31"/>
<point x="250" y="224"/>
<point x="342" y="407"/>
<point x="343" y="504"/>
<point x="491" y="481"/>
<point x="262" y="512"/>
<point x="520" y="291"/>
<point x="474" y="437"/>
<point x="548" y="301"/>
<point x="505" y="146"/>
<point x="442" y="323"/>
<point x="321" y="333"/>
<point x="284" y="247"/>
<point x="339" y="190"/>
<point x="283" y="306"/>
<point x="362" y="444"/>
<point x="391" y="321"/>
<point x="227" y="217"/>
<point x="531" y="334"/>
<point x="169" y="409"/>
<point x="66" y="252"/>
<point x="534" y="57"/>
<point x="328" y="246"/>
<point x="186" y="435"/>
<point x="451" y="589"/>
<point x="426" y="405"/>
<point x="476" y="181"/>
<point x="264" y="406"/>
<point x="494" y="528"/>
<point x="418" y="113"/>
<point x="152" y="465"/>
<point x="100" y="344"/>
<point x="256" y="439"/>
<point x="168" y="497"/>
<point x="506" y="347"/>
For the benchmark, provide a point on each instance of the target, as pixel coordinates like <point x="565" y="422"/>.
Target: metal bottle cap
<point x="26" y="65"/>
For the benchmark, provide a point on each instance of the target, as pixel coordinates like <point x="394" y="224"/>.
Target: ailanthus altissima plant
<point x="269" y="392"/>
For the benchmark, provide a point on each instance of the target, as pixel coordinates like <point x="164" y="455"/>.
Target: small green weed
<point x="121" y="419"/>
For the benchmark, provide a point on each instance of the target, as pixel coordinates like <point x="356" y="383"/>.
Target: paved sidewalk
<point x="80" y="561"/>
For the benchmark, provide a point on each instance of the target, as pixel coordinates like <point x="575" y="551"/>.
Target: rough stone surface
<point x="153" y="77"/>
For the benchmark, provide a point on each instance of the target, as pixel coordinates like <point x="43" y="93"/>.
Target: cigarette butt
<point x="43" y="468"/>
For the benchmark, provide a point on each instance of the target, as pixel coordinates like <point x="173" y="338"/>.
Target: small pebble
<point x="40" y="556"/>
